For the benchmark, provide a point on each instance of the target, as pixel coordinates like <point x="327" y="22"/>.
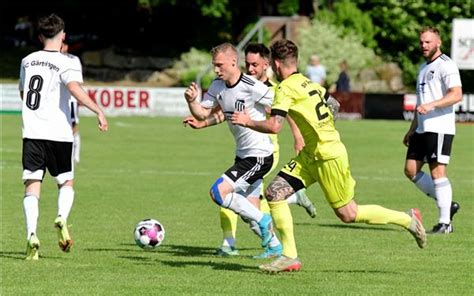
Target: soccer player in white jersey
<point x="431" y="133"/>
<point x="47" y="79"/>
<point x="231" y="91"/>
<point x="257" y="59"/>
<point x="76" y="146"/>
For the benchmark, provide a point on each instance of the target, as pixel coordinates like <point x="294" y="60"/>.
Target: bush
<point x="190" y="65"/>
<point x="328" y="42"/>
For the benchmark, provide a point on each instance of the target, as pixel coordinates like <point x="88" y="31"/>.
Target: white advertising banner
<point x="462" y="43"/>
<point x="116" y="101"/>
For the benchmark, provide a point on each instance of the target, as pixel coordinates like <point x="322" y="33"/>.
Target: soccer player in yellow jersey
<point x="323" y="159"/>
<point x="257" y="59"/>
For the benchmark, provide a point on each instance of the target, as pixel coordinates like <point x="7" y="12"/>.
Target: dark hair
<point x="284" y="50"/>
<point x="259" y="48"/>
<point x="49" y="26"/>
<point x="430" y="29"/>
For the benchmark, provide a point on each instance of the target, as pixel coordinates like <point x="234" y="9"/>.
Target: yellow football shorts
<point x="276" y="158"/>
<point x="333" y="175"/>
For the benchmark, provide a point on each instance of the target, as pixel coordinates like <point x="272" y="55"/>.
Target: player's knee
<point x="347" y="214"/>
<point x="270" y="194"/>
<point x="409" y="173"/>
<point x="31" y="193"/>
<point x="346" y="217"/>
<point x="215" y="193"/>
<point x="279" y="190"/>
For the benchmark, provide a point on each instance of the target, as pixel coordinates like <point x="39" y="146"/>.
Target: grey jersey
<point x="249" y="94"/>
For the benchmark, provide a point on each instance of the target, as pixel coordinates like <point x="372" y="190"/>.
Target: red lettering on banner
<point x="130" y="99"/>
<point x="105" y="98"/>
<point x="92" y="94"/>
<point x="118" y="98"/>
<point x="143" y="99"/>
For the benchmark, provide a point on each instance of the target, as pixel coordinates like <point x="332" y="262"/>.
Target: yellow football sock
<point x="374" y="214"/>
<point x="264" y="206"/>
<point x="283" y="221"/>
<point x="228" y="222"/>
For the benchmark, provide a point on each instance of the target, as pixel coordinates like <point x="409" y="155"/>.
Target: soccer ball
<point x="149" y="234"/>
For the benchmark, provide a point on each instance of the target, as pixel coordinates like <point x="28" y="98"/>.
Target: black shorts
<point x="247" y="171"/>
<point x="430" y="147"/>
<point x="39" y="155"/>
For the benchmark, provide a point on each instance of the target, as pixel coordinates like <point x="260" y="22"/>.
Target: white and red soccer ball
<point x="149" y="234"/>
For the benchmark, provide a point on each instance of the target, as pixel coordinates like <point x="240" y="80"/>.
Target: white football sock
<point x="424" y="182"/>
<point x="444" y="197"/>
<point x="239" y="204"/>
<point x="256" y="229"/>
<point x="293" y="199"/>
<point x="274" y="241"/>
<point x="253" y="226"/>
<point x="31" y="210"/>
<point x="65" y="201"/>
<point x="228" y="242"/>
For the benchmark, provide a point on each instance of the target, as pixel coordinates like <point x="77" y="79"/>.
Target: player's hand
<point x="191" y="92"/>
<point x="425" y="108"/>
<point x="406" y="138"/>
<point x="193" y="122"/>
<point x="299" y="144"/>
<point x="241" y="118"/>
<point x="103" y="125"/>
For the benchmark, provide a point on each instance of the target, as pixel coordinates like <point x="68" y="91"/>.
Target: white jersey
<point x="248" y="93"/>
<point x="77" y="64"/>
<point x="46" y="107"/>
<point x="434" y="80"/>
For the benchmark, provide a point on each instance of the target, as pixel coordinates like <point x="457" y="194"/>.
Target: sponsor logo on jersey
<point x="239" y="105"/>
<point x="430" y="75"/>
<point x="43" y="64"/>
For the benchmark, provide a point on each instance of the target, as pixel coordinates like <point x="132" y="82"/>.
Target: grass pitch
<point x="156" y="168"/>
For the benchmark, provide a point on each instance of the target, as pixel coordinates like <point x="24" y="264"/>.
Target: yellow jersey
<point x="273" y="137"/>
<point x="305" y="102"/>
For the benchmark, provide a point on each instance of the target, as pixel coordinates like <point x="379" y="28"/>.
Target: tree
<point x="332" y="46"/>
<point x="347" y="16"/>
<point x="397" y="24"/>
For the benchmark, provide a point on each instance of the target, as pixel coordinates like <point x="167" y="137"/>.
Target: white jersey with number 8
<point x="46" y="111"/>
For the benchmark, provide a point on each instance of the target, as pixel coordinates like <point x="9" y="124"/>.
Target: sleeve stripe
<point x="326" y="95"/>
<point x="247" y="80"/>
<point x="263" y="95"/>
<point x="69" y="70"/>
<point x="278" y="112"/>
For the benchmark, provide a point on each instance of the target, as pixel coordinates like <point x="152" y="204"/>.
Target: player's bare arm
<point x="216" y="117"/>
<point x="191" y="95"/>
<point x="333" y="105"/>
<point x="297" y="136"/>
<point x="80" y="94"/>
<point x="410" y="131"/>
<point x="453" y="96"/>
<point x="272" y="125"/>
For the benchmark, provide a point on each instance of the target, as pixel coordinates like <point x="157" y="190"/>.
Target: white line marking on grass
<point x="154" y="172"/>
<point x="8" y="150"/>
<point x="123" y="124"/>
